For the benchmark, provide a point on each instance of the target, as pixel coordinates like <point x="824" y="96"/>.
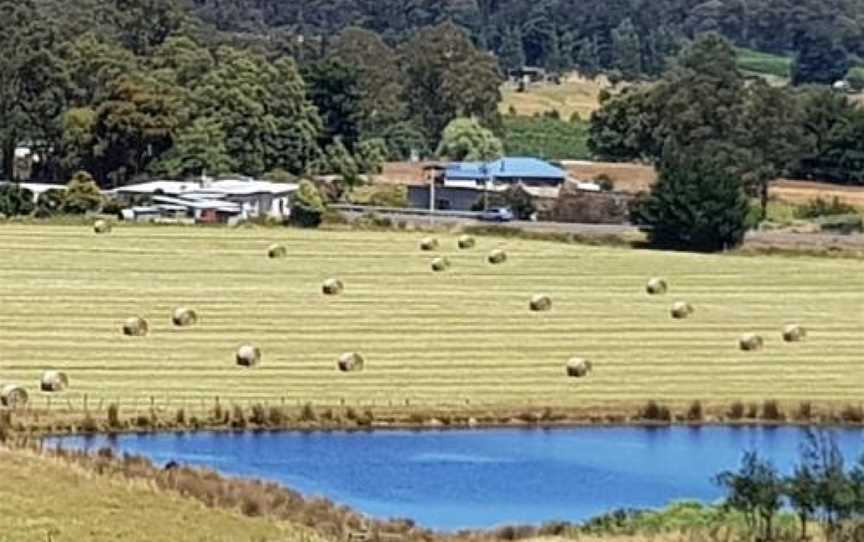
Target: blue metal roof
<point x="504" y="168"/>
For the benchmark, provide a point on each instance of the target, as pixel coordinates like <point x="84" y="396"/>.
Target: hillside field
<point x="461" y="337"/>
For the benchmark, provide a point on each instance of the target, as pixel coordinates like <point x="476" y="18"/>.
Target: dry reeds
<point x="248" y="355"/>
<point x="350" y="362"/>
<point x="136" y="327"/>
<point x="657" y="286"/>
<point x="540" y="303"/>
<point x="54" y="381"/>
<point x="184" y="317"/>
<point x="332" y="287"/>
<point x="681" y="310"/>
<point x="794" y="333"/>
<point x="497" y="256"/>
<point x="277" y="251"/>
<point x="751" y="342"/>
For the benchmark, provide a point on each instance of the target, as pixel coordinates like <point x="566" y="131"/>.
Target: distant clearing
<point x="464" y="336"/>
<point x="574" y="95"/>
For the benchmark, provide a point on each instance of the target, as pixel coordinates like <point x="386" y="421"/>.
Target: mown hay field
<point x="463" y="336"/>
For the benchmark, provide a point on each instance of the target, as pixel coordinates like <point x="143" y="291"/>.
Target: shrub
<point x="180" y="417"/>
<point x="843" y="224"/>
<point x="816" y="208"/>
<point x="307" y="413"/>
<point x="259" y="415"/>
<point x="380" y="195"/>
<point x="852" y="414"/>
<point x="694" y="412"/>
<point x="307" y="207"/>
<point x="15" y="200"/>
<point x="49" y="203"/>
<point x="805" y="411"/>
<point x="276" y="416"/>
<point x="113" y="416"/>
<point x="82" y="195"/>
<point x="88" y="424"/>
<point x="238" y="418"/>
<point x="5" y="425"/>
<point x="736" y="411"/>
<point x="771" y="411"/>
<point x="752" y="411"/>
<point x="655" y="412"/>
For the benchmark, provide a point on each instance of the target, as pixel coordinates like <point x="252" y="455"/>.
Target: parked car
<point x="502" y="214"/>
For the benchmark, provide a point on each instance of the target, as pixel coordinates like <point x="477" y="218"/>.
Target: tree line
<point x="130" y="88"/>
<point x="630" y="38"/>
<point x="821" y="489"/>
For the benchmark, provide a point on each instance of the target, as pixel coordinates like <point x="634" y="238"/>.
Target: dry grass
<point x="575" y="95"/>
<point x="431" y="341"/>
<point x="48" y="499"/>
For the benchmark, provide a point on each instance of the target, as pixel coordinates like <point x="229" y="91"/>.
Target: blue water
<point x="470" y="479"/>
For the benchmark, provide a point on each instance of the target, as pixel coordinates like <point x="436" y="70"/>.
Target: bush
<point x="694" y="412"/>
<point x="605" y="182"/>
<point x="50" y="203"/>
<point x="852" y="414"/>
<point x="817" y="208"/>
<point x="307" y="413"/>
<point x="380" y="195"/>
<point x="842" y="224"/>
<point x="113" y="416"/>
<point x="771" y="411"/>
<point x="805" y="411"/>
<point x="82" y="195"/>
<point x="307" y="207"/>
<point x="736" y="411"/>
<point x="654" y="411"/>
<point x="238" y="418"/>
<point x="15" y="201"/>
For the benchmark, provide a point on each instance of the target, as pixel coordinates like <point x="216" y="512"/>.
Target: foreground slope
<point x="48" y="499"/>
<point x="461" y="337"/>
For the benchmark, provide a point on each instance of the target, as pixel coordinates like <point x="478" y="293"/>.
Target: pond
<point x="476" y="479"/>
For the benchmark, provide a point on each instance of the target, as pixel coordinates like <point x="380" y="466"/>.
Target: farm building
<point x="207" y="201"/>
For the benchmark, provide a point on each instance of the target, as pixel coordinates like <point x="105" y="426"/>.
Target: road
<point x="757" y="238"/>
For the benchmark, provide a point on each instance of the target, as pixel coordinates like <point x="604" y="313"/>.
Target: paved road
<point x="772" y="238"/>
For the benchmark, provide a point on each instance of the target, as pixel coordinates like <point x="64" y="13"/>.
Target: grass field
<point x="46" y="499"/>
<point x="546" y="138"/>
<point x="575" y="95"/>
<point x="450" y="339"/>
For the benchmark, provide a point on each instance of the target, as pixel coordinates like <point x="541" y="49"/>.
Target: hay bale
<point x="332" y="287"/>
<point x="136" y="327"/>
<point x="540" y="303"/>
<point x="428" y="243"/>
<point x="440" y="264"/>
<point x="184" y="317"/>
<point x="466" y="242"/>
<point x="682" y="310"/>
<point x="248" y="356"/>
<point x="497" y="256"/>
<point x="657" y="286"/>
<point x="578" y="367"/>
<point x="751" y="342"/>
<point x="54" y="381"/>
<point x="350" y="362"/>
<point x="794" y="333"/>
<point x="12" y="396"/>
<point x="277" y="251"/>
<point x="102" y="226"/>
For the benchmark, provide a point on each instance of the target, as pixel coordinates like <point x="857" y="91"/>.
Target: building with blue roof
<point x="531" y="172"/>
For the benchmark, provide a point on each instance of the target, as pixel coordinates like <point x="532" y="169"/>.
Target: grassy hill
<point x="546" y="138"/>
<point x="463" y="337"/>
<point x="47" y="499"/>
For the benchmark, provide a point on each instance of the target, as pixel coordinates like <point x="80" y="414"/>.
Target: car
<point x="502" y="214"/>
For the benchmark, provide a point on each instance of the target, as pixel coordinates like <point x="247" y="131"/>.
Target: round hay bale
<point x="657" y="286"/>
<point x="54" y="381"/>
<point x="248" y="355"/>
<point x="578" y="367"/>
<point x="440" y="264"/>
<point x="497" y="256"/>
<point x="751" y="342"/>
<point x="102" y="226"/>
<point x="184" y="317"/>
<point x="794" y="333"/>
<point x="350" y="362"/>
<point x="540" y="303"/>
<point x="682" y="310"/>
<point x="136" y="327"/>
<point x="428" y="243"/>
<point x="466" y="242"/>
<point x="277" y="251"/>
<point x="332" y="287"/>
<point x="12" y="396"/>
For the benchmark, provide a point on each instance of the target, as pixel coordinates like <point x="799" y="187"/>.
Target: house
<point x="209" y="201"/>
<point x="466" y="186"/>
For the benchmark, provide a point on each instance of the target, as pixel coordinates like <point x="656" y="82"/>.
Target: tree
<point x="82" y="195"/>
<point x="755" y="490"/>
<point x="93" y="64"/>
<point x="182" y="61"/>
<point x="15" y="200"/>
<point x="466" y="139"/>
<point x="338" y="160"/>
<point x="696" y="204"/>
<point x="447" y="77"/>
<point x="307" y="206"/>
<point x="834" y="495"/>
<point x="144" y="25"/>
<point x="512" y="53"/>
<point x="801" y="488"/>
<point x="198" y="148"/>
<point x="405" y="141"/>
<point x="371" y="155"/>
<point x="32" y="82"/>
<point x="334" y="89"/>
<point x="820" y="59"/>
<point x="627" y="50"/>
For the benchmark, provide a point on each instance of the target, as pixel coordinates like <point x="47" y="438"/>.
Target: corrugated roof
<point x="221" y="188"/>
<point x="505" y="168"/>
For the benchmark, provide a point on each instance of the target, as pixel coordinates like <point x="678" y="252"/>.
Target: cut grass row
<point x="464" y="337"/>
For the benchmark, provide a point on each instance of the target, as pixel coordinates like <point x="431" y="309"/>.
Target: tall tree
<point x="820" y="59"/>
<point x="512" y="53"/>
<point x="466" y="139"/>
<point x="334" y="89"/>
<point x="448" y="77"/>
<point x="32" y="82"/>
<point x="627" y="50"/>
<point x="198" y="148"/>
